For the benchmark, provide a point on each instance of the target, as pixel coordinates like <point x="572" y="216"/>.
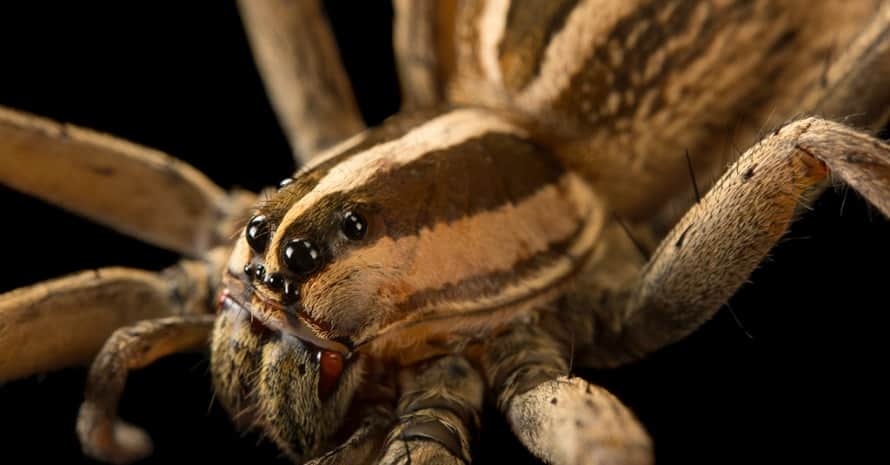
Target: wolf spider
<point x="725" y="315"/>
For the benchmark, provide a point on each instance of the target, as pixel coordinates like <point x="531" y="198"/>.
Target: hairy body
<point x="618" y="249"/>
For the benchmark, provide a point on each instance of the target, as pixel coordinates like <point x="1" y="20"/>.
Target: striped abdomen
<point x="464" y="224"/>
<point x="622" y="89"/>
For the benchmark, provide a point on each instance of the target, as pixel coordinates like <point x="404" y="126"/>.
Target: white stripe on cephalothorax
<point x="448" y="253"/>
<point x="528" y="287"/>
<point x="491" y="23"/>
<point x="332" y="152"/>
<point x="444" y="131"/>
<point x="585" y="28"/>
<point x="581" y="200"/>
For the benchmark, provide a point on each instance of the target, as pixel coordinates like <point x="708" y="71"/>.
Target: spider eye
<point x="301" y="256"/>
<point x="285" y="182"/>
<point x="258" y="233"/>
<point x="259" y="272"/>
<point x="291" y="292"/>
<point x="354" y="226"/>
<point x="274" y="281"/>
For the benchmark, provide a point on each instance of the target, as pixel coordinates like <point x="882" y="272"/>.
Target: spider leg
<point x="295" y="52"/>
<point x="720" y="240"/>
<point x="562" y="419"/>
<point x="90" y="305"/>
<point x="104" y="436"/>
<point x="138" y="191"/>
<point x="364" y="444"/>
<point x="414" y="40"/>
<point x="437" y="412"/>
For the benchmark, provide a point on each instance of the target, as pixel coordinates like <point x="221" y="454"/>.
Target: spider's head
<point x="453" y="217"/>
<point x="427" y="217"/>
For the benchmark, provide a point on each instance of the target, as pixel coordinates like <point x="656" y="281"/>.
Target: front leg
<point x="104" y="436"/>
<point x="720" y="241"/>
<point x="562" y="419"/>
<point x="138" y="191"/>
<point x="96" y="302"/>
<point x="438" y="411"/>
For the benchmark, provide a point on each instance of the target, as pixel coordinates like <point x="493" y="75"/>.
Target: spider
<point x="681" y="158"/>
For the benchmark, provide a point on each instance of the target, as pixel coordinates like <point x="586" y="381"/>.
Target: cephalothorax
<point x="474" y="242"/>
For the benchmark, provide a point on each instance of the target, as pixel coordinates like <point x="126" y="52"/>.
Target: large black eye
<point x="354" y="226"/>
<point x="258" y="233"/>
<point x="300" y="256"/>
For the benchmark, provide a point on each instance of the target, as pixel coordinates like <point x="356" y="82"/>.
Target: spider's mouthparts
<point x="235" y="295"/>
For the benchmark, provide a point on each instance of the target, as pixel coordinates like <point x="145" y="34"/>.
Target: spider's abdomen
<point x="620" y="90"/>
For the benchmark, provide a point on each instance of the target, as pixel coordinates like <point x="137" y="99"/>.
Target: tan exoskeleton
<point x="471" y="243"/>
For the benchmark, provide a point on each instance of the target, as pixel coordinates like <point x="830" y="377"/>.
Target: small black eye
<point x="285" y="182"/>
<point x="354" y="226"/>
<point x="300" y="256"/>
<point x="291" y="292"/>
<point x="258" y="233"/>
<point x="274" y="281"/>
<point x="259" y="272"/>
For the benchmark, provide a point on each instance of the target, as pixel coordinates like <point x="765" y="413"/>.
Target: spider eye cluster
<point x="258" y="233"/>
<point x="300" y="257"/>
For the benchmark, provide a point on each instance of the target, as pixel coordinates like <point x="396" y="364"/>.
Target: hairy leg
<point x="103" y="435"/>
<point x="719" y="242"/>
<point x="133" y="189"/>
<point x="364" y="444"/>
<point x="852" y="88"/>
<point x="295" y="52"/>
<point x="96" y="302"/>
<point x="437" y="413"/>
<point x="562" y="419"/>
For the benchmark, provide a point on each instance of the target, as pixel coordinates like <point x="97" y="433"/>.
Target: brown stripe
<point x="276" y="206"/>
<point x="529" y="27"/>
<point x="519" y="300"/>
<point x="492" y="284"/>
<point x="489" y="241"/>
<point x="442" y="186"/>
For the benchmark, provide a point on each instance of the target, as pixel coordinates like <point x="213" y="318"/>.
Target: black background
<point x="178" y="76"/>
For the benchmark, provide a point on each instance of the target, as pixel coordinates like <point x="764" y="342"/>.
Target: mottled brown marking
<point x="278" y="203"/>
<point x="530" y="26"/>
<point x="482" y="285"/>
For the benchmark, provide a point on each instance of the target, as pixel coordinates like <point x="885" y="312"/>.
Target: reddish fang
<point x="221" y="300"/>
<point x="331" y="367"/>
